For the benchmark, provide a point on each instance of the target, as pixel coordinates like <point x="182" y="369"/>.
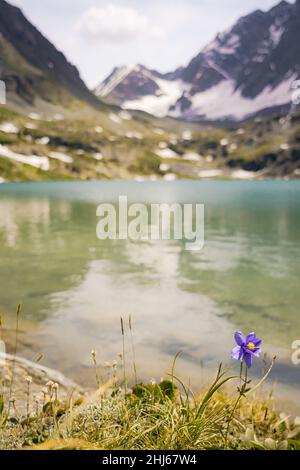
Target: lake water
<point x="73" y="287"/>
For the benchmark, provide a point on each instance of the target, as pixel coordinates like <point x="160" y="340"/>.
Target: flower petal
<point x="256" y="342"/>
<point x="248" y="359"/>
<point x="256" y="352"/>
<point x="250" y="337"/>
<point x="239" y="338"/>
<point x="237" y="353"/>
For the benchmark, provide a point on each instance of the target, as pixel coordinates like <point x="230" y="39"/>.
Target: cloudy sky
<point x="97" y="35"/>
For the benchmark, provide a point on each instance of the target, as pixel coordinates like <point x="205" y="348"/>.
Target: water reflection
<point x="74" y="287"/>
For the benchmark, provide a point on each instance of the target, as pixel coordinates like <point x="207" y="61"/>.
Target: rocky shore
<point x="19" y="376"/>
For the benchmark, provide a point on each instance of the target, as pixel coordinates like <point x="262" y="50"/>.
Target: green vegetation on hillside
<point x="89" y="144"/>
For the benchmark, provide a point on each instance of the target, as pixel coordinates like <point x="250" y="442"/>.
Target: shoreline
<point x="14" y="372"/>
<point x="220" y="176"/>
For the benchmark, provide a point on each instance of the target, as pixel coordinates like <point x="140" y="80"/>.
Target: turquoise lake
<point x="74" y="288"/>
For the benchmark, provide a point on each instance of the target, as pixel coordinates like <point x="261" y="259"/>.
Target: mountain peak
<point x="281" y="10"/>
<point x="280" y="6"/>
<point x="129" y="82"/>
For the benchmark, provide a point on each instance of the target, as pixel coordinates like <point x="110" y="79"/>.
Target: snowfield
<point x="158" y="105"/>
<point x="33" y="160"/>
<point x="223" y="101"/>
<point x="61" y="156"/>
<point x="8" y="128"/>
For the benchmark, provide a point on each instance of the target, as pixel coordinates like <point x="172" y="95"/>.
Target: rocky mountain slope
<point x="32" y="68"/>
<point x="248" y="69"/>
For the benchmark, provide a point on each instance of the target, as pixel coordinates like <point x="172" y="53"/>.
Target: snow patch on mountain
<point x="159" y="104"/>
<point x="225" y="43"/>
<point x="33" y="160"/>
<point x="117" y="77"/>
<point x="224" y="101"/>
<point x="276" y="33"/>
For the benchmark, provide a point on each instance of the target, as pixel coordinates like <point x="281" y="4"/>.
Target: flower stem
<point x="241" y="391"/>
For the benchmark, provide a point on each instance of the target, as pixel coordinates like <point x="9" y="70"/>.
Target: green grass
<point x="124" y="414"/>
<point x="159" y="416"/>
<point x="146" y="164"/>
<point x="15" y="171"/>
<point x="146" y="416"/>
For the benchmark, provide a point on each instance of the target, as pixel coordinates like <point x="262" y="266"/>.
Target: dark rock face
<point x="184" y="103"/>
<point x="259" y="51"/>
<point x="249" y="53"/>
<point x="135" y="86"/>
<point x="130" y="83"/>
<point x="43" y="60"/>
<point x="277" y="164"/>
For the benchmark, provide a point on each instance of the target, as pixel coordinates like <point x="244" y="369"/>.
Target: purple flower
<point x="246" y="347"/>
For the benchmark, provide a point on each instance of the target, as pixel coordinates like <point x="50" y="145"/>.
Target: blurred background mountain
<point x="228" y="113"/>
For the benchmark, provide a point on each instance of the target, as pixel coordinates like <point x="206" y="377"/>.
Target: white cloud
<point x="115" y="24"/>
